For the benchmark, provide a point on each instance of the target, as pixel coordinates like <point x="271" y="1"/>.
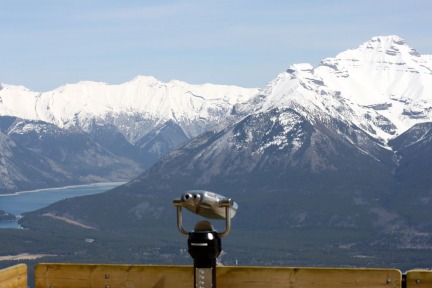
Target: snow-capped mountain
<point x="132" y="124"/>
<point x="384" y="87"/>
<point x="343" y="146"/>
<point x="134" y="107"/>
<point x="367" y="96"/>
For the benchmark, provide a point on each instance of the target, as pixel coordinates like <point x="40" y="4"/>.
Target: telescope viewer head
<point x="207" y="204"/>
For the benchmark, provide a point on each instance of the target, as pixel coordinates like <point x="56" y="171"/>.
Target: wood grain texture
<point x="14" y="277"/>
<point x="146" y="276"/>
<point x="419" y="279"/>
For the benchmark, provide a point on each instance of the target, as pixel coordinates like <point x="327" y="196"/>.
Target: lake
<point x="26" y="201"/>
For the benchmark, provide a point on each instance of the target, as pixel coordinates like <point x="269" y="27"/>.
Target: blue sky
<point x="47" y="43"/>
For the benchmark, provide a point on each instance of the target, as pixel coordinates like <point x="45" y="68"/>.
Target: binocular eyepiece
<point x="207" y="204"/>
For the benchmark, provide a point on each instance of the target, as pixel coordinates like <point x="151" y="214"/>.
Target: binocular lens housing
<point x="207" y="204"/>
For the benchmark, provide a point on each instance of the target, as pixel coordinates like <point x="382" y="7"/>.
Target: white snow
<point x="78" y="104"/>
<point x="382" y="77"/>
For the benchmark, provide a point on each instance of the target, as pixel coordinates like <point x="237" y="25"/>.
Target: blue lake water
<point x="25" y="201"/>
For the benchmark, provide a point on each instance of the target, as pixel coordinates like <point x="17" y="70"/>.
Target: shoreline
<point x="20" y="202"/>
<point x="24" y="256"/>
<point x="60" y="188"/>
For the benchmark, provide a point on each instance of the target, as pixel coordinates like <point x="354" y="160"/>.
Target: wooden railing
<point x="14" y="277"/>
<point x="418" y="279"/>
<point x="80" y="276"/>
<point x="146" y="276"/>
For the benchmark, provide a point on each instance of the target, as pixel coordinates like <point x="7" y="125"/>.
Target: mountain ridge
<point x="77" y="104"/>
<point x="296" y="125"/>
<point x="354" y="91"/>
<point x="313" y="165"/>
<point x="136" y="122"/>
<point x="150" y="118"/>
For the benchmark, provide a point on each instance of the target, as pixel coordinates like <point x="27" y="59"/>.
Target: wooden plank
<point x="419" y="278"/>
<point x="145" y="276"/>
<point x="89" y="275"/>
<point x="14" y="276"/>
<point x="277" y="277"/>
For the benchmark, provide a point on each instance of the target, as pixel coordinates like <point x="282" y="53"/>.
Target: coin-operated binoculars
<point x="204" y="243"/>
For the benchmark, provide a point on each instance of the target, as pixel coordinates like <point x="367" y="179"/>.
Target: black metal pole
<point x="204" y="246"/>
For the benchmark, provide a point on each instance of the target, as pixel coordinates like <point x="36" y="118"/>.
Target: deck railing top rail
<point x="54" y="275"/>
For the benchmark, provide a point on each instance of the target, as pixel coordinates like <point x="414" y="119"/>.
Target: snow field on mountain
<point x="383" y="86"/>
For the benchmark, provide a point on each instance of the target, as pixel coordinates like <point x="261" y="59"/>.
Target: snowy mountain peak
<point x="386" y="75"/>
<point x="146" y="80"/>
<point x="194" y="108"/>
<point x="384" y="87"/>
<point x="390" y="45"/>
<point x="379" y="53"/>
